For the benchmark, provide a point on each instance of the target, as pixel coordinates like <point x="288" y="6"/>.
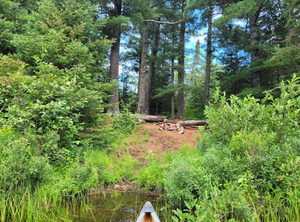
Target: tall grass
<point x="281" y="207"/>
<point x="40" y="206"/>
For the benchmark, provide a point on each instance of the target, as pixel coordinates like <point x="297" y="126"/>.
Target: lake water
<point x="121" y="207"/>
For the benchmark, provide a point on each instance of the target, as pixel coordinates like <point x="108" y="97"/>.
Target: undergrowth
<point x="247" y="167"/>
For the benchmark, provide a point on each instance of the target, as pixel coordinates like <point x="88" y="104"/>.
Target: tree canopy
<point x="250" y="47"/>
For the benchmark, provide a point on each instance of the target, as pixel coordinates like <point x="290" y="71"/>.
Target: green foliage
<point x="184" y="180"/>
<point x="61" y="97"/>
<point x="151" y="176"/>
<point x="124" y="123"/>
<point x="20" y="164"/>
<point x="76" y="178"/>
<point x="49" y="103"/>
<point x="250" y="156"/>
<point x="228" y="204"/>
<point x="233" y="117"/>
<point x="13" y="16"/>
<point x="112" y="168"/>
<point x="195" y="77"/>
<point x="218" y="163"/>
<point x="9" y="66"/>
<point x="64" y="41"/>
<point x="286" y="58"/>
<point x="247" y="45"/>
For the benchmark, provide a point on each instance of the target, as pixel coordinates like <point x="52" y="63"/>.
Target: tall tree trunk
<point x="254" y="52"/>
<point x="181" y="111"/>
<point x="173" y="93"/>
<point x="142" y="75"/>
<point x="208" y="55"/>
<point x="254" y="42"/>
<point x="173" y="78"/>
<point x="114" y="75"/>
<point x="114" y="62"/>
<point x="151" y="72"/>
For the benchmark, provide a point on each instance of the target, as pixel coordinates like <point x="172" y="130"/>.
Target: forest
<point x="76" y="75"/>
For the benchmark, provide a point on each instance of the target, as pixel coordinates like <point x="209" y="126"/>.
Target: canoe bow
<point x="148" y="214"/>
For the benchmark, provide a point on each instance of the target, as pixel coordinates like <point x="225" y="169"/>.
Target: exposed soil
<point x="150" y="139"/>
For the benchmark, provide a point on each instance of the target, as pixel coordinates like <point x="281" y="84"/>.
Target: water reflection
<point x="120" y="207"/>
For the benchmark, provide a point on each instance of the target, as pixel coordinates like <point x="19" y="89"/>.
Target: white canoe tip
<point x="148" y="214"/>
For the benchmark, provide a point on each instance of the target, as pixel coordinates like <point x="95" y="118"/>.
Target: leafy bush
<point x="276" y="116"/>
<point x="20" y="164"/>
<point x="220" y="166"/>
<point x="228" y="204"/>
<point x="124" y="123"/>
<point x="257" y="132"/>
<point x="9" y="65"/>
<point x="82" y="177"/>
<point x="52" y="106"/>
<point x="184" y="181"/>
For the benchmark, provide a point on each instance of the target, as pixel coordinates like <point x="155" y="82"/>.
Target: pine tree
<point x="247" y="44"/>
<point x="286" y="59"/>
<point x="13" y="17"/>
<point x="117" y="18"/>
<point x="181" y="104"/>
<point x="60" y="33"/>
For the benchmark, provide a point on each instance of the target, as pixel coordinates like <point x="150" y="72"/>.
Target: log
<point x="193" y="123"/>
<point x="187" y="123"/>
<point x="151" y="118"/>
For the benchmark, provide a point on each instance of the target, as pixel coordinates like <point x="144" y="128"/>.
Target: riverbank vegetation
<point x="65" y="122"/>
<point x="245" y="168"/>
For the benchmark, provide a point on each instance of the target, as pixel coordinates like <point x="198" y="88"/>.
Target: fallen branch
<point x="188" y="122"/>
<point x="161" y="22"/>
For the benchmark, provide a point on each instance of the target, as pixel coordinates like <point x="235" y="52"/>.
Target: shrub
<point x="82" y="177"/>
<point x="258" y="133"/>
<point x="228" y="204"/>
<point x="9" y="65"/>
<point x="184" y="181"/>
<point x="250" y="152"/>
<point x="19" y="164"/>
<point x="220" y="166"/>
<point x="55" y="103"/>
<point x="276" y="116"/>
<point x="124" y="123"/>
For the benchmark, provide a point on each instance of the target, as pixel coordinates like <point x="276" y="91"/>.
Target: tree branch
<point x="161" y="22"/>
<point x="278" y="87"/>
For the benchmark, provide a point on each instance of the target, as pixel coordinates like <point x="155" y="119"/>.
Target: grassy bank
<point x="43" y="181"/>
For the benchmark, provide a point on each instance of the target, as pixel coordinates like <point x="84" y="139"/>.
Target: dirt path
<point x="148" y="138"/>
